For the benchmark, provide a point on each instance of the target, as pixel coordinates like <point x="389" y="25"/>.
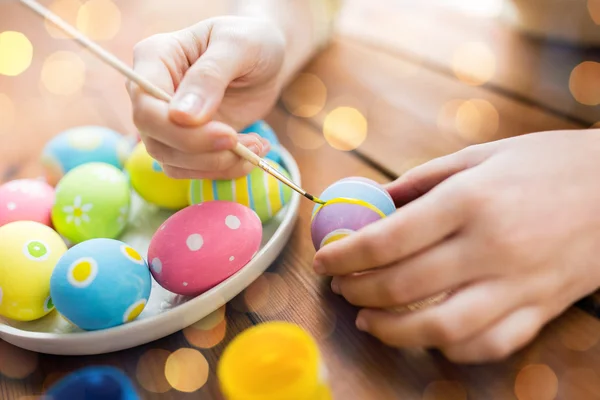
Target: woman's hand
<point x="223" y="74"/>
<point x="513" y="227"/>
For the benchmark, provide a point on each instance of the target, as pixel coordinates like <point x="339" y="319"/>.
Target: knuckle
<point x="374" y="245"/>
<point x="149" y="43"/>
<point x="175" y="173"/>
<point x="496" y="350"/>
<point x="444" y="331"/>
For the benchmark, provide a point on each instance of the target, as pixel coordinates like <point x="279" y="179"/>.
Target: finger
<point x="497" y="343"/>
<point x="409" y="230"/>
<point x="207" y="162"/>
<point x="420" y="180"/>
<point x="148" y="63"/>
<point x="203" y="86"/>
<point x="151" y="117"/>
<point x="439" y="269"/>
<point x="460" y="317"/>
<point x="237" y="171"/>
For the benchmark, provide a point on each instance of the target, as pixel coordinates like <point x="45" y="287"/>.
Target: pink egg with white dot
<point x="26" y="200"/>
<point x="202" y="245"/>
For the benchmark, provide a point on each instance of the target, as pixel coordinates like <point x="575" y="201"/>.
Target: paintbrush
<point x="149" y="87"/>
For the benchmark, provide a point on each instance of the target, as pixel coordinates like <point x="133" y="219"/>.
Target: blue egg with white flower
<point x="100" y="284"/>
<point x="265" y="131"/>
<point x="81" y="145"/>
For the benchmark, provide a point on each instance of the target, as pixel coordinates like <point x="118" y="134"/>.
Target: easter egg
<point x="150" y="182"/>
<point x="26" y="200"/>
<point x="202" y="245"/>
<point x="350" y="204"/>
<point x="262" y="129"/>
<point x="92" y="201"/>
<point x="81" y="145"/>
<point x="258" y="190"/>
<point x="29" y="252"/>
<point x="101" y="283"/>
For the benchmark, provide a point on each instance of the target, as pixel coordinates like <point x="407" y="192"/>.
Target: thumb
<point x="203" y="86"/>
<point x="421" y="179"/>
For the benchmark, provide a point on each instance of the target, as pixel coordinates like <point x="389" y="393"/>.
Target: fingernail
<point x="224" y="143"/>
<point x="335" y="285"/>
<point x="361" y="324"/>
<point x="266" y="145"/>
<point x="189" y="103"/>
<point x="318" y="267"/>
<point x="255" y="149"/>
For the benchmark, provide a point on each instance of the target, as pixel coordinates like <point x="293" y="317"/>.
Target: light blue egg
<point x="100" y="283"/>
<point x="265" y="131"/>
<point x="360" y="188"/>
<point x="85" y="144"/>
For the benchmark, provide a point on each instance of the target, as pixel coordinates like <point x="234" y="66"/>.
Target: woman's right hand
<point x="223" y="74"/>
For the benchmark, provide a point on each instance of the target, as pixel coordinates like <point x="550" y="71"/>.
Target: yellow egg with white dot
<point x="29" y="252"/>
<point x="150" y="182"/>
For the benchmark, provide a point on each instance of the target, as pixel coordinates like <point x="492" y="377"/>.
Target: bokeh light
<point x="268" y="295"/>
<point x="445" y="390"/>
<point x="303" y="135"/>
<point x="7" y="112"/>
<point x="584" y="83"/>
<point x="474" y="120"/>
<point x="186" y="370"/>
<point x="99" y="19"/>
<point x="594" y="10"/>
<point x="150" y="371"/>
<point x="63" y="73"/>
<point x="536" y="382"/>
<point x="205" y="338"/>
<point x="474" y="63"/>
<point x="16" y="363"/>
<point x="305" y="96"/>
<point x="16" y="53"/>
<point x="211" y="320"/>
<point x="477" y="120"/>
<point x="580" y="383"/>
<point x="65" y="9"/>
<point x="345" y="128"/>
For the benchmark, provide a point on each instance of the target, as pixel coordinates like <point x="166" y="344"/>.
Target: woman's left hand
<point x="512" y="227"/>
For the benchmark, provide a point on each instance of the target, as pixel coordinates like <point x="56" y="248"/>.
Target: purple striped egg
<point x="351" y="204"/>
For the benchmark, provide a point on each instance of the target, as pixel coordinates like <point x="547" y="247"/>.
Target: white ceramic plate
<point x="165" y="313"/>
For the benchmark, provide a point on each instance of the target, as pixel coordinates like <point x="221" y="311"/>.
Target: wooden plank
<point x="433" y="35"/>
<point x="413" y="114"/>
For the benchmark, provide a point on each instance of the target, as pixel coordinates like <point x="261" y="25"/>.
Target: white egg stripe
<point x="267" y="197"/>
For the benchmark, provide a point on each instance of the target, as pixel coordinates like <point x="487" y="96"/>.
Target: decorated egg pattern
<point x="351" y="204"/>
<point x="92" y="201"/>
<point x="101" y="283"/>
<point x="258" y="190"/>
<point x="81" y="145"/>
<point x="29" y="252"/>
<point x="26" y="200"/>
<point x="202" y="245"/>
<point x="150" y="182"/>
<point x="265" y="131"/>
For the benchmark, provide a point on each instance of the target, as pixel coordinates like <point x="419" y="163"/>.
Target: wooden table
<point x="427" y="80"/>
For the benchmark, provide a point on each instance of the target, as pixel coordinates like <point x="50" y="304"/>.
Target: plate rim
<point x="236" y="284"/>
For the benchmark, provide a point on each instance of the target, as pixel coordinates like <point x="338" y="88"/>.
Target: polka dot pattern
<point x="36" y="250"/>
<point x="82" y="272"/>
<point x="131" y="254"/>
<point x="203" y="245"/>
<point x="134" y="310"/>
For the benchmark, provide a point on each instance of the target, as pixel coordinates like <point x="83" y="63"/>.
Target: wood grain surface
<point x="396" y="97"/>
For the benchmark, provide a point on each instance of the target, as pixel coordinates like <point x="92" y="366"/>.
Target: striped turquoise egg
<point x="258" y="190"/>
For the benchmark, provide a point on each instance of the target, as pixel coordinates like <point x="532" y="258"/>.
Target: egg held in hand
<point x="351" y="204"/>
<point x="101" y="283"/>
<point x="81" y="145"/>
<point x="152" y="184"/>
<point x="92" y="201"/>
<point x="29" y="252"/>
<point x="258" y="190"/>
<point x="202" y="245"/>
<point x="26" y="200"/>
